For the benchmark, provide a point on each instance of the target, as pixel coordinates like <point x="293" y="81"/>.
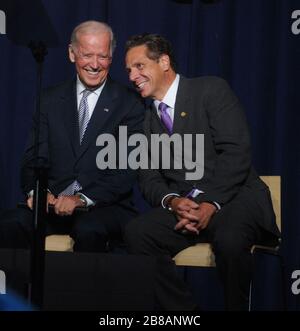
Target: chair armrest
<point x="265" y="249"/>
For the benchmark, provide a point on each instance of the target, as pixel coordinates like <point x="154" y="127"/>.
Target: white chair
<point x="201" y="255"/>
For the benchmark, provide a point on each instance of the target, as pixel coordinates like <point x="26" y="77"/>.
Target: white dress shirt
<point x="169" y="99"/>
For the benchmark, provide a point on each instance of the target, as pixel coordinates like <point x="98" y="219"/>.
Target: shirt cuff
<point x="166" y="196"/>
<point x="195" y="192"/>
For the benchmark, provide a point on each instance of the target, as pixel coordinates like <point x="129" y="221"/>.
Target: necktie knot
<point x="163" y="107"/>
<point x="86" y="93"/>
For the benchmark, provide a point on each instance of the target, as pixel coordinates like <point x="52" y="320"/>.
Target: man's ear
<point x="164" y="61"/>
<point x="71" y="54"/>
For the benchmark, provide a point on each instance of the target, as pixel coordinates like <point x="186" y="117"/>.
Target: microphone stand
<point x="29" y="25"/>
<point x="39" y="52"/>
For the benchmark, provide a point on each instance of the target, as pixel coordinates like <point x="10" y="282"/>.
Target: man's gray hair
<point x="93" y="27"/>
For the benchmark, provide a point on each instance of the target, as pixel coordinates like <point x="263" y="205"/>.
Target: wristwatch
<point x="82" y="198"/>
<point x="168" y="203"/>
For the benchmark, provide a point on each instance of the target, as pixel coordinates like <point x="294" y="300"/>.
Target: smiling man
<point x="91" y="49"/>
<point x="229" y="206"/>
<point x="73" y="114"/>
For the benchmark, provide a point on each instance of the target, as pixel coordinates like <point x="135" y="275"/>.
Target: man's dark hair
<point x="156" y="46"/>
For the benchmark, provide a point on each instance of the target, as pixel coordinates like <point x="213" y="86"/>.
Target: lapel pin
<point x="106" y="110"/>
<point x="183" y="114"/>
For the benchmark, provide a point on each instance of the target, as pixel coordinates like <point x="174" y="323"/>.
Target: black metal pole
<point x="29" y="25"/>
<point x="40" y="192"/>
<point x="38" y="244"/>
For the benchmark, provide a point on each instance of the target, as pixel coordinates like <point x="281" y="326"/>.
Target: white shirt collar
<point x="80" y="87"/>
<point x="170" y="97"/>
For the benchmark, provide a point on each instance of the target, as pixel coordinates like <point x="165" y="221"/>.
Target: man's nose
<point x="133" y="75"/>
<point x="94" y="62"/>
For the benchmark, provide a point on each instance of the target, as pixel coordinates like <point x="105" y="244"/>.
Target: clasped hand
<point x="192" y="217"/>
<point x="63" y="205"/>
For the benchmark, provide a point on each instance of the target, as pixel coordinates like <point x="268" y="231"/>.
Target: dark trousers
<point x="232" y="231"/>
<point x="92" y="231"/>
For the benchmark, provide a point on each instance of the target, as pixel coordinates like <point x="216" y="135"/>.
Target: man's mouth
<point x="140" y="85"/>
<point x="92" y="72"/>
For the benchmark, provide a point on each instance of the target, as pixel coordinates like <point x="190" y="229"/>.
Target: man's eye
<point x="140" y="66"/>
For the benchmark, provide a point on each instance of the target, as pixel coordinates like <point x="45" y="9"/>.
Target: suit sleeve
<point x="231" y="140"/>
<point x="152" y="183"/>
<point x="29" y="160"/>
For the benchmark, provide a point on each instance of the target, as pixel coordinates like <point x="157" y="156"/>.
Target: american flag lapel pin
<point x="106" y="110"/>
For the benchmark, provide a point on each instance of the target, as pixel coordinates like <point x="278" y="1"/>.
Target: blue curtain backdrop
<point x="248" y="42"/>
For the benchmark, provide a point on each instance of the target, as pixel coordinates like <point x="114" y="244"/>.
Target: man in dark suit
<point x="73" y="115"/>
<point x="228" y="206"/>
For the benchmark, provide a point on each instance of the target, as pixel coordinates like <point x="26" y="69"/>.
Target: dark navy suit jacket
<point x="207" y="105"/>
<point x="67" y="160"/>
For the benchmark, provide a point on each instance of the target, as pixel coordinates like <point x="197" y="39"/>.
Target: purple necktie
<point x="165" y="117"/>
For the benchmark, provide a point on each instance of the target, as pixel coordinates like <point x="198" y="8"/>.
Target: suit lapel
<point x="70" y="115"/>
<point x="183" y="106"/>
<point x="156" y="124"/>
<point x="104" y="109"/>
